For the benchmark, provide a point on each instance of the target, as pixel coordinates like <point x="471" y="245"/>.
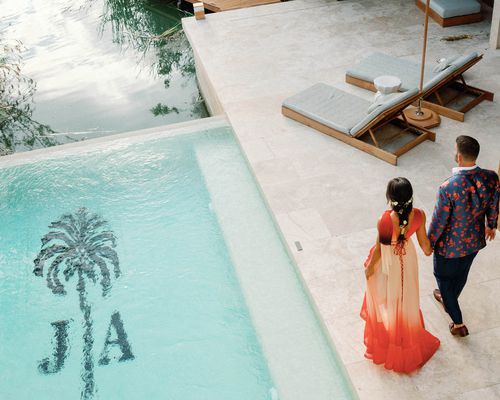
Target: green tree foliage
<point x="148" y="27"/>
<point x="18" y="131"/>
<point x="163" y="109"/>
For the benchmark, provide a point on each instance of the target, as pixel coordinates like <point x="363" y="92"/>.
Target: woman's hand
<point x="423" y="239"/>
<point x="427" y="248"/>
<point x="374" y="258"/>
<point x="369" y="271"/>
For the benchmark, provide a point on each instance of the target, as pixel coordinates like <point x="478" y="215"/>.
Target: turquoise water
<point x="178" y="296"/>
<point x="179" y="321"/>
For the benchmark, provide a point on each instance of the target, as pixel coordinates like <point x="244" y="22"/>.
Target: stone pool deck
<point x="328" y="195"/>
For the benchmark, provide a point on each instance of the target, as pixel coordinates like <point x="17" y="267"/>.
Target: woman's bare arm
<point x="370" y="268"/>
<point x="423" y="239"/>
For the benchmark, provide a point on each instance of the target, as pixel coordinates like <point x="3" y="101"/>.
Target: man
<point x="465" y="216"/>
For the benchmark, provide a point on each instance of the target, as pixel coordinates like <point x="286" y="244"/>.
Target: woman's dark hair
<point x="400" y="197"/>
<point x="468" y="147"/>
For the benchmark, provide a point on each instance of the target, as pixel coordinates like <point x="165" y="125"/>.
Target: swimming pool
<point x="194" y="296"/>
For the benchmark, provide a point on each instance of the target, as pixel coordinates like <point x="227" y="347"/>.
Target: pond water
<point x="100" y="67"/>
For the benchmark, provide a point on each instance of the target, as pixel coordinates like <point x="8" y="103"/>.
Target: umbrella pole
<point x="419" y="116"/>
<point x="422" y="67"/>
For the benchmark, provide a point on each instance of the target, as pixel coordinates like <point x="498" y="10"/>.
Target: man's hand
<point x="490" y="233"/>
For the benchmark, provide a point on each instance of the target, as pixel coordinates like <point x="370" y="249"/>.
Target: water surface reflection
<point x="103" y="66"/>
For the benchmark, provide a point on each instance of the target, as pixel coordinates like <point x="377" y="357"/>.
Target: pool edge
<point x="95" y="144"/>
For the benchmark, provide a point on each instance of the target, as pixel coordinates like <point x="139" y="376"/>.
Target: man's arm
<point x="492" y="210"/>
<point x="440" y="216"/>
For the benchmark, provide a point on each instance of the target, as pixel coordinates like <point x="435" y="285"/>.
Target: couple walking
<point x="465" y="216"/>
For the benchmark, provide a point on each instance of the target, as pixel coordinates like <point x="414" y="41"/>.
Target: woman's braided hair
<point x="400" y="197"/>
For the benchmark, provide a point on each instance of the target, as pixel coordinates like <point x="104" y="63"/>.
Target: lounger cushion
<point x="379" y="110"/>
<point x="381" y="100"/>
<point x="329" y="106"/>
<point x="459" y="62"/>
<point x="439" y="77"/>
<point x="378" y="64"/>
<point x="445" y="63"/>
<point x="339" y="110"/>
<point x="454" y="8"/>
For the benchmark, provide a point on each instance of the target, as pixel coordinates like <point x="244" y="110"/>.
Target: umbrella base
<point x="427" y="119"/>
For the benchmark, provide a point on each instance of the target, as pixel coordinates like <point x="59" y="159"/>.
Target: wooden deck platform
<point x="224" y="5"/>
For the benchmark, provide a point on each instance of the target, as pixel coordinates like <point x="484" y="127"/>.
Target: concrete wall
<point x="495" y="27"/>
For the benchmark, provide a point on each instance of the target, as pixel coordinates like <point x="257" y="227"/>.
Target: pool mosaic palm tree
<point x="80" y="244"/>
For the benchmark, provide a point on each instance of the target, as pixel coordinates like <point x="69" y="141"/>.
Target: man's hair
<point x="468" y="147"/>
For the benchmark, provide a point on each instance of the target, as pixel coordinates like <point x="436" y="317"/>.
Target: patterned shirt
<point x="465" y="202"/>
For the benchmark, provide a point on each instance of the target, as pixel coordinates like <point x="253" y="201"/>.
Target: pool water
<point x="159" y="301"/>
<point x="100" y="67"/>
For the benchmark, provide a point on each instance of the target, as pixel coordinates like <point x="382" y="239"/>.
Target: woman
<point x="394" y="332"/>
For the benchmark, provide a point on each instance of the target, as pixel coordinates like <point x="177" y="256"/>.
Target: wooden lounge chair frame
<point x="226" y="5"/>
<point x="452" y="21"/>
<point x="393" y="115"/>
<point x="432" y="98"/>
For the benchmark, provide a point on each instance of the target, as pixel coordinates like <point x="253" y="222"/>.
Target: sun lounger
<point x="442" y="89"/>
<point x="452" y="12"/>
<point x="381" y="131"/>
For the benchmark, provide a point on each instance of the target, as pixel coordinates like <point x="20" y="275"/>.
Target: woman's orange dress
<point x="395" y="334"/>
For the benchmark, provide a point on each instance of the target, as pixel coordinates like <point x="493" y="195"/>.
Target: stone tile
<point x="264" y="107"/>
<point x="303" y="225"/>
<point x="334" y="158"/>
<point x="276" y="170"/>
<point x="306" y="193"/>
<point x="373" y="382"/>
<point x="262" y="125"/>
<point x="479" y="304"/>
<point x="349" y="212"/>
<point x="337" y="293"/>
<point x="257" y="150"/>
<point x="488" y="393"/>
<point x="340" y="253"/>
<point x="346" y="332"/>
<point x="485" y="264"/>
<point x="478" y="361"/>
<point x="296" y="143"/>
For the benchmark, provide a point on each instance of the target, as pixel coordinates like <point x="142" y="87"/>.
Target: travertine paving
<point x="328" y="195"/>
